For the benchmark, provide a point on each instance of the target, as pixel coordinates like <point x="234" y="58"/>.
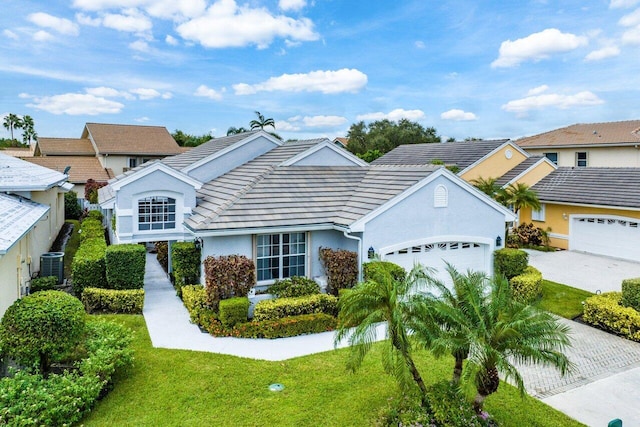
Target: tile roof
<point x="462" y="154"/>
<point x="517" y="170"/>
<point x="586" y="134"/>
<point x="17" y="216"/>
<point x="20" y="175"/>
<point x="616" y="187"/>
<point x="82" y="168"/>
<point x="132" y="139"/>
<point x="19" y="151"/>
<point x="65" y="147"/>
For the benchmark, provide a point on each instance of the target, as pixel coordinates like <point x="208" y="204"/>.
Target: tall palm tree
<point x="261" y="122"/>
<point x="28" y="130"/>
<point x="520" y="196"/>
<point x="11" y="122"/>
<point x="381" y="299"/>
<point x="487" y="185"/>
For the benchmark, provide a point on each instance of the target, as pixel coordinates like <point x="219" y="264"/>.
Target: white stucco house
<point x="279" y="202"/>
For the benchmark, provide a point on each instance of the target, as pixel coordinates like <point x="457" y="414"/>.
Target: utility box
<point x="52" y="264"/>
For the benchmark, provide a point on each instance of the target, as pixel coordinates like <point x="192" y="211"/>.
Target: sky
<point x="482" y="69"/>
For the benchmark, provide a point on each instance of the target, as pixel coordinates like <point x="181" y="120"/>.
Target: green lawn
<point x="185" y="388"/>
<point x="562" y="300"/>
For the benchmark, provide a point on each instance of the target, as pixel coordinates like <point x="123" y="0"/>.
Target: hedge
<point x="97" y="215"/>
<point x="279" y="328"/>
<point x="127" y="301"/>
<point x="605" y="311"/>
<point x="510" y="262"/>
<point x="124" y="266"/>
<point x="194" y="298"/>
<point x="233" y="311"/>
<point x="295" y="286"/>
<point x="285" y="307"/>
<point x="375" y="268"/>
<point x="631" y="293"/>
<point x="91" y="228"/>
<point x="527" y="286"/>
<point x="46" y="283"/>
<point x="88" y="265"/>
<point x="228" y="276"/>
<point x="341" y="267"/>
<point x="185" y="262"/>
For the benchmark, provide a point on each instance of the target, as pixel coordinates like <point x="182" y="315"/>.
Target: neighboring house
<point x="611" y="144"/>
<point x="31" y="215"/>
<point x="341" y="141"/>
<point x="80" y="169"/>
<point x="279" y="202"/>
<point x="21" y="152"/>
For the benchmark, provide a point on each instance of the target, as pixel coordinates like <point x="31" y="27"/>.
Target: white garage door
<point x="611" y="236"/>
<point x="462" y="255"/>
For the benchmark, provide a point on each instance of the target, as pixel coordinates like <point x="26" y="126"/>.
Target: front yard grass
<point x="562" y="300"/>
<point x="188" y="388"/>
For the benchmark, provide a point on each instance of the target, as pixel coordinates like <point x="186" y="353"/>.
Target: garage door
<point x="463" y="255"/>
<point x="611" y="236"/>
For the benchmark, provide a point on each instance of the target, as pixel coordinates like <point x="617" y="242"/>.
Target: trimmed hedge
<point x="527" y="286"/>
<point x="228" y="276"/>
<point x="127" y="301"/>
<point x="279" y="328"/>
<point x="233" y="311"/>
<point x="295" y="286"/>
<point x="605" y="311"/>
<point x="91" y="228"/>
<point x="194" y="298"/>
<point x="124" y="265"/>
<point x="162" y="254"/>
<point x="341" y="267"/>
<point x="285" y="307"/>
<point x="47" y="283"/>
<point x="97" y="215"/>
<point x="631" y="293"/>
<point x="88" y="265"/>
<point x="375" y="268"/>
<point x="510" y="262"/>
<point x="185" y="262"/>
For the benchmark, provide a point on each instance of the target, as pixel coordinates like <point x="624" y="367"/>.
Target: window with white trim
<point x="538" y="215"/>
<point x="156" y="213"/>
<point x="279" y="256"/>
<point x="440" y="197"/>
<point x="553" y="157"/>
<point x="581" y="159"/>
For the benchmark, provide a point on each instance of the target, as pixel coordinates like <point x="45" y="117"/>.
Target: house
<point x="31" y="215"/>
<point x="341" y="141"/>
<point x="279" y="202"/>
<point x="611" y="144"/>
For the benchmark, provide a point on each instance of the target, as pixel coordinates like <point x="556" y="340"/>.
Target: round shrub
<point x="296" y="286"/>
<point x="510" y="262"/>
<point x="527" y="287"/>
<point x="376" y="268"/>
<point x="37" y="328"/>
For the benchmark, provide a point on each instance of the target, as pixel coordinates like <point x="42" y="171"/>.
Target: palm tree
<point x="11" y="122"/>
<point x="381" y="299"/>
<point x="234" y="130"/>
<point x="487" y="185"/>
<point x="29" y="133"/>
<point x="261" y="122"/>
<point x="520" y="196"/>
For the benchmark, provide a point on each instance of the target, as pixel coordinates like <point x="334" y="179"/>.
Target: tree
<point x="261" y="122"/>
<point x="188" y="140"/>
<point x="518" y="196"/>
<point x="487" y="185"/>
<point x="381" y="299"/>
<point x="28" y="130"/>
<point x="385" y="135"/>
<point x="11" y="122"/>
<point x="234" y="130"/>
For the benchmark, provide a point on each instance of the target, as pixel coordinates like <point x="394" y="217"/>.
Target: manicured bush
<point x="510" y="262"/>
<point x="91" y="190"/>
<point x="285" y="307"/>
<point x="631" y="293"/>
<point x="46" y="283"/>
<point x="185" y="261"/>
<point x="97" y="215"/>
<point x="127" y="301"/>
<point x="341" y="268"/>
<point x="374" y="268"/>
<point x="605" y="311"/>
<point x="228" y="276"/>
<point x="88" y="265"/>
<point x="194" y="298"/>
<point x="72" y="209"/>
<point x="449" y="406"/>
<point x="124" y="266"/>
<point x="295" y="286"/>
<point x="530" y="235"/>
<point x="278" y="328"/>
<point x="527" y="286"/>
<point x="90" y="229"/>
<point x="39" y="327"/>
<point x="233" y="311"/>
<point x="162" y="254"/>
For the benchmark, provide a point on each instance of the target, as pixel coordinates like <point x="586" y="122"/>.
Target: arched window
<point x="440" y="197"/>
<point x="156" y="213"/>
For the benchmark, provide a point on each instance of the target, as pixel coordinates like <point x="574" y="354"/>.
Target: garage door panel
<point x="611" y="236"/>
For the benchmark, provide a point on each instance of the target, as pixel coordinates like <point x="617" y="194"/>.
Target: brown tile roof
<point x="342" y="140"/>
<point x="586" y="134"/>
<point x="18" y="151"/>
<point x="82" y="168"/>
<point x="131" y="139"/>
<point x="64" y="147"/>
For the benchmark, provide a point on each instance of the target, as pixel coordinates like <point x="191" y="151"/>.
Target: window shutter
<point x="440" y="197"/>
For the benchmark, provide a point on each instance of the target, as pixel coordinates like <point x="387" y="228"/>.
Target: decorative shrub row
<point x="185" y="262"/>
<point x="285" y="307"/>
<point x="605" y="311"/>
<point x="128" y="301"/>
<point x="125" y="266"/>
<point x="376" y="268"/>
<point x="228" y="276"/>
<point x="97" y="215"/>
<point x="341" y="267"/>
<point x="296" y="286"/>
<point x="510" y="262"/>
<point x="91" y="229"/>
<point x="88" y="265"/>
<point x="194" y="298"/>
<point x="279" y="328"/>
<point x="527" y="286"/>
<point x="233" y="311"/>
<point x="631" y="293"/>
<point x="46" y="283"/>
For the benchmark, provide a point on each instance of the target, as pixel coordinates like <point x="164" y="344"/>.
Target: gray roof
<point x="20" y="175"/>
<point x="462" y="154"/>
<point x="619" y="187"/>
<point x="17" y="216"/>
<point x="517" y="170"/>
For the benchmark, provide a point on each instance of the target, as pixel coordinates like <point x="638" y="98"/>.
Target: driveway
<point x="584" y="271"/>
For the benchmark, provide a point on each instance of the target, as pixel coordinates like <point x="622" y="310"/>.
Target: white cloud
<point x="145" y="94"/>
<point x="75" y="104"/>
<point x="166" y="95"/>
<point x="458" y="115"/>
<point x="207" y="92"/>
<point x="131" y="22"/>
<point x="323" y="121"/>
<point x="536" y="47"/>
<point x="623" y="4"/>
<point x="292" y="4"/>
<point x="108" y="92"/>
<point x="42" y="36"/>
<point x="225" y="24"/>
<point x="344" y="80"/>
<point x="537" y="90"/>
<point x="394" y="115"/>
<point x="286" y="126"/>
<point x="605" y="52"/>
<point x="87" y="20"/>
<point x="142" y="119"/>
<point x="630" y="20"/>
<point x="140" y="46"/>
<point x="60" y="25"/>
<point x="156" y="8"/>
<point x="10" y="34"/>
<point x="171" y="40"/>
<point x="631" y="36"/>
<point x="552" y="100"/>
<point x="420" y="44"/>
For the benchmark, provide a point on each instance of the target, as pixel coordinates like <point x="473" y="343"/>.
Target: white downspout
<point x="359" y="239"/>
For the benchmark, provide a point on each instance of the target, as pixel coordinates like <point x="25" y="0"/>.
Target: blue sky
<point x="483" y="69"/>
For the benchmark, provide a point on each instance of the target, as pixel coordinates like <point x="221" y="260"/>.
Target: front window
<point x="281" y="255"/>
<point x="538" y="215"/>
<point x="581" y="159"/>
<point x="156" y="213"/>
<point x="133" y="162"/>
<point x="553" y="157"/>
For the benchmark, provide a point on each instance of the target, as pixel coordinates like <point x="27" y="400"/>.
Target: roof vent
<point x="595" y="132"/>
